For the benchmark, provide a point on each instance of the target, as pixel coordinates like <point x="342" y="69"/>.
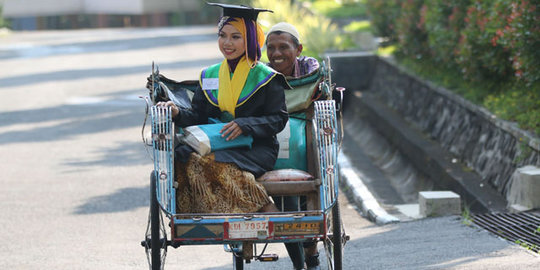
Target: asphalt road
<point x="75" y="173"/>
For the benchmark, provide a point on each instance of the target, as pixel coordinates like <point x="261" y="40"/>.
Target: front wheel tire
<point x="158" y="235"/>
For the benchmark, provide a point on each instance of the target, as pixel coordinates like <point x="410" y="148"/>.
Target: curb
<point x="361" y="195"/>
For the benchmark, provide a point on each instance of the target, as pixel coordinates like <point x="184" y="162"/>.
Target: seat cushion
<point x="285" y="175"/>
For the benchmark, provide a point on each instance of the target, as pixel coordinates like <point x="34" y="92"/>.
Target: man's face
<point x="282" y="52"/>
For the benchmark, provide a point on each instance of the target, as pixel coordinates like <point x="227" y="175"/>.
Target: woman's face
<point x="231" y="42"/>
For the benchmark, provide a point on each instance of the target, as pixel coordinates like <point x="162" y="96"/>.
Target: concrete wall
<point x="352" y="70"/>
<point x="492" y="147"/>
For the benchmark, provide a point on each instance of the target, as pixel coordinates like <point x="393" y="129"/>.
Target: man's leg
<point x="311" y="255"/>
<point x="295" y="250"/>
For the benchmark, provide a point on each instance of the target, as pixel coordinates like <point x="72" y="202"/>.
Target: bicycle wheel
<point x="238" y="261"/>
<point x="333" y="243"/>
<point x="158" y="235"/>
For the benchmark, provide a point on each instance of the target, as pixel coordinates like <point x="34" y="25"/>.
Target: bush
<point x="383" y="16"/>
<point x="410" y="29"/>
<point x="444" y="20"/>
<point x="488" y="47"/>
<point x="519" y="34"/>
<point x="478" y="57"/>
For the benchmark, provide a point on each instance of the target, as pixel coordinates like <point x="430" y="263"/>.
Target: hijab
<point x="230" y="88"/>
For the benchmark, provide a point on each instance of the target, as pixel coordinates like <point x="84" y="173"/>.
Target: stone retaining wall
<point x="492" y="147"/>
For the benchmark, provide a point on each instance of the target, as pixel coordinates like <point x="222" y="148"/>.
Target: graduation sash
<point x="258" y="76"/>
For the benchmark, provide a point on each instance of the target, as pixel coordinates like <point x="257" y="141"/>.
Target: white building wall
<point x="28" y="8"/>
<point x="177" y="5"/>
<point x="114" y="7"/>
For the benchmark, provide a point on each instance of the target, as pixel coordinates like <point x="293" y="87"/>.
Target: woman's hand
<point x="231" y="128"/>
<point x="174" y="109"/>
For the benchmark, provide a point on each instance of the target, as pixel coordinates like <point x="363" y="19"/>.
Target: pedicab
<point x="244" y="234"/>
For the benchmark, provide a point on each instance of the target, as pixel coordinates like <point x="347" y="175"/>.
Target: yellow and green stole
<point x="230" y="90"/>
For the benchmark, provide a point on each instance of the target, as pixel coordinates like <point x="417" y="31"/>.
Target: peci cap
<point x="284" y="27"/>
<point x="240" y="11"/>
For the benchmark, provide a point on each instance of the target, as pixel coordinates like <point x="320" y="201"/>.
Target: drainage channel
<point x="389" y="176"/>
<point x="520" y="228"/>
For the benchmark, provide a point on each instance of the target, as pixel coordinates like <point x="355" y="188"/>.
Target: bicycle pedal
<point x="268" y="257"/>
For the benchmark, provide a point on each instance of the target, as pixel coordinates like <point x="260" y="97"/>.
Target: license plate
<point x="249" y="229"/>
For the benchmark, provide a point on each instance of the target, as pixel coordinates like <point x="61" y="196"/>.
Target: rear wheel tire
<point x="337" y="239"/>
<point x="238" y="262"/>
<point x="333" y="245"/>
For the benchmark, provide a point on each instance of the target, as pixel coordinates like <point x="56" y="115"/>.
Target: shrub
<point x="318" y="33"/>
<point x="383" y="16"/>
<point x="444" y="20"/>
<point x="479" y="58"/>
<point x="520" y="35"/>
<point x="410" y="29"/>
<point x="486" y="49"/>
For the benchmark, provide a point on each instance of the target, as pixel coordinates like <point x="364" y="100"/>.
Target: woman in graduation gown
<point x="249" y="97"/>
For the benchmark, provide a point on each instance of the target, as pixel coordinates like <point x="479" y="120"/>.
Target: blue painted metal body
<point x="209" y="229"/>
<point x="163" y="152"/>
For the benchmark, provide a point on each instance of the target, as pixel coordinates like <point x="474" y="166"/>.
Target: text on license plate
<point x="248" y="229"/>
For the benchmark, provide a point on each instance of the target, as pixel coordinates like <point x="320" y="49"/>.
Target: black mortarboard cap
<point x="240" y="11"/>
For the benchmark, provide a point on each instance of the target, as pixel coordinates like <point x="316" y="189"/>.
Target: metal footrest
<point x="268" y="258"/>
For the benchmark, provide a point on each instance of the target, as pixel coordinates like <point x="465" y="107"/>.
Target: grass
<point x="386" y="51"/>
<point x="358" y="26"/>
<point x="528" y="246"/>
<point x="333" y="9"/>
<point x="466" y="216"/>
<point x="447" y="78"/>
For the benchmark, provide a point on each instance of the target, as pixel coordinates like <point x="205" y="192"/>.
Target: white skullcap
<point x="284" y="27"/>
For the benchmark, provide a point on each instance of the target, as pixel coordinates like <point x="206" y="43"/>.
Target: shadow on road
<point x="124" y="199"/>
<point x="68" y="120"/>
<point x="79" y="74"/>
<point x="119" y="45"/>
<point x="126" y="153"/>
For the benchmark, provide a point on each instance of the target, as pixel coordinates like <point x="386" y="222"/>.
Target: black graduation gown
<point x="262" y="116"/>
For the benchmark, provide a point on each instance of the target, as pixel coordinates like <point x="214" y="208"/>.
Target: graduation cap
<point x="240" y="11"/>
